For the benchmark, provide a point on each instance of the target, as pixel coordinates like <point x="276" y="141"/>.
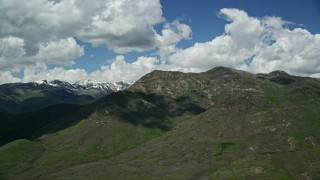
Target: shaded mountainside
<point x="18" y="98"/>
<point x="30" y="124"/>
<point x="220" y="124"/>
<point x="25" y="97"/>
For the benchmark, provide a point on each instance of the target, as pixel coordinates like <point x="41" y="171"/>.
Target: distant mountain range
<point x="24" y="97"/>
<point x="87" y="85"/>
<point x="220" y="124"/>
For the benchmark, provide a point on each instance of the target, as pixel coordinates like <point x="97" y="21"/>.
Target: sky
<point x="113" y="40"/>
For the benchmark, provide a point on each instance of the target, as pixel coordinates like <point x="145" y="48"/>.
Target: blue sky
<point x="109" y="40"/>
<point x="205" y="24"/>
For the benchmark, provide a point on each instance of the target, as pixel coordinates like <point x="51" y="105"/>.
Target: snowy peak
<point x="89" y="84"/>
<point x="58" y="83"/>
<point x="121" y="85"/>
<point x="86" y="85"/>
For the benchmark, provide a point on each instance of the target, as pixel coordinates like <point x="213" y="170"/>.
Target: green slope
<point x="221" y="124"/>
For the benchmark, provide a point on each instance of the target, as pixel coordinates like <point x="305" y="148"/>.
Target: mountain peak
<point x="163" y="73"/>
<point x="220" y="68"/>
<point x="87" y="82"/>
<point x="279" y="77"/>
<point x="223" y="71"/>
<point x="278" y="73"/>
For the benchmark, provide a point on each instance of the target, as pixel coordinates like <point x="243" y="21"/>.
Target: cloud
<point x="239" y="42"/>
<point x="60" y="52"/>
<point x="11" y="51"/>
<point x="13" y="55"/>
<point x="295" y="51"/>
<point x="118" y="70"/>
<point x="12" y="47"/>
<point x="41" y="72"/>
<point x="124" y="25"/>
<point x="7" y="77"/>
<point x="40" y="21"/>
<point x="44" y="31"/>
<point x="255" y="44"/>
<point x="121" y="70"/>
<point x="243" y="30"/>
<point x="171" y="34"/>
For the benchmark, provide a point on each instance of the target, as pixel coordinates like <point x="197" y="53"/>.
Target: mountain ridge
<point x="23" y="97"/>
<point x="219" y="124"/>
<point x="86" y="85"/>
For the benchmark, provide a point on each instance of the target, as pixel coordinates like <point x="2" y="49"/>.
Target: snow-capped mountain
<point x="57" y="83"/>
<point x="95" y="89"/>
<point x="24" y="97"/>
<point x="86" y="85"/>
<point x="121" y="85"/>
<point x="89" y="84"/>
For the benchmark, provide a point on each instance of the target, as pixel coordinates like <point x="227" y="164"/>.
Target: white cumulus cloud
<point x="121" y="70"/>
<point x="7" y="77"/>
<point x="255" y="44"/>
<point x="44" y="31"/>
<point x="61" y="52"/>
<point x="124" y="25"/>
<point x="41" y="72"/>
